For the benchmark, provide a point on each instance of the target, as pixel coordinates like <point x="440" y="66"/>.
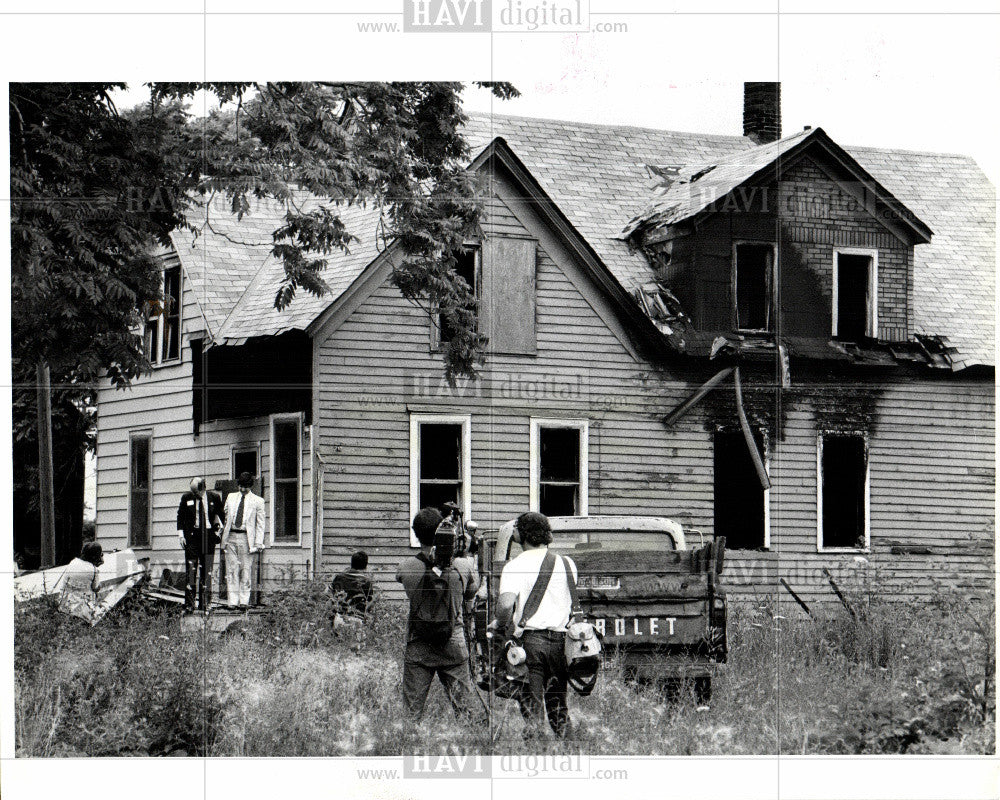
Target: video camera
<point x="454" y="537"/>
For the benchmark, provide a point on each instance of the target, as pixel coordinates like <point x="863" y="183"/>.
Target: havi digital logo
<point x="474" y="16"/>
<point x="447" y="766"/>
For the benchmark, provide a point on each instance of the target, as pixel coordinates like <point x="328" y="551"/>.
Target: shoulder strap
<point x="538" y="590"/>
<point x="428" y="563"/>
<point x="571" y="582"/>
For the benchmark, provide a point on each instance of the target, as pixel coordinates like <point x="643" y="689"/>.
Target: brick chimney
<point x="762" y="111"/>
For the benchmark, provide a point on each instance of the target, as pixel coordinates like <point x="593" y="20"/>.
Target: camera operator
<point x="435" y="638"/>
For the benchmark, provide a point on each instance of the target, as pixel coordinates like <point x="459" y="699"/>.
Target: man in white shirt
<point x="545" y="629"/>
<point x="242" y="536"/>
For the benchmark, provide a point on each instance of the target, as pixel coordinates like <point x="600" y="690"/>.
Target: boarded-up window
<point x="286" y="465"/>
<point x="467" y="268"/>
<point x="843" y="491"/>
<point x="507" y="305"/>
<point x="754" y="268"/>
<point x="140" y="489"/>
<point x="854" y="297"/>
<point x="440" y="464"/>
<point x="740" y="499"/>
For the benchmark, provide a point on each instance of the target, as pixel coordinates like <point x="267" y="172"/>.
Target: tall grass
<point x="871" y="681"/>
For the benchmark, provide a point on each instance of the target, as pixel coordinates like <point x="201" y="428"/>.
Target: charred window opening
<point x="843" y="494"/>
<point x="247" y="459"/>
<point x="440" y="464"/>
<point x="559" y="476"/>
<point x="853" y="297"/>
<point x="467" y="268"/>
<point x="739" y="498"/>
<point x="754" y="268"/>
<point x="140" y="486"/>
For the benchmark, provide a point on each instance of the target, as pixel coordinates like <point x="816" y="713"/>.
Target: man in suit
<point x="242" y="536"/>
<point x="199" y="520"/>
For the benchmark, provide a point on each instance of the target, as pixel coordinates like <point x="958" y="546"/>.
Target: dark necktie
<point x="239" y="513"/>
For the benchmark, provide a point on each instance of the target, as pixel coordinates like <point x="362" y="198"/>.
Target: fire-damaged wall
<point x="808" y="215"/>
<point x="913" y="425"/>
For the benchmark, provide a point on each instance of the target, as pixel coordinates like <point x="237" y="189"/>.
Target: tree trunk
<point x="46" y="491"/>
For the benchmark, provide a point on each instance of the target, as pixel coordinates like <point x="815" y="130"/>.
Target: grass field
<point x="892" y="680"/>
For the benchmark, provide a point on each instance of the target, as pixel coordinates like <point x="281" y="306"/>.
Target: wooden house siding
<point x="375" y="368"/>
<point x="161" y="403"/>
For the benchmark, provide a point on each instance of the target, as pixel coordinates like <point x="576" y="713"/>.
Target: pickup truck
<point x="655" y="602"/>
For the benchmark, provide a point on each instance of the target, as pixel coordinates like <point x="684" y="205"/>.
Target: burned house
<point x="655" y="302"/>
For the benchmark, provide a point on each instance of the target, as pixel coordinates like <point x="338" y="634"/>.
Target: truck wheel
<point x="703" y="690"/>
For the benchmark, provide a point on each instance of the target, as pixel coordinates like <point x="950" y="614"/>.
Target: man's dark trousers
<point x="199" y="562"/>
<point x="417" y="679"/>
<point x="547" y="680"/>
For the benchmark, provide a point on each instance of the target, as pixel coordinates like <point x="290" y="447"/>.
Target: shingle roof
<point x="598" y="174"/>
<point x="600" y="178"/>
<point x="693" y="187"/>
<point x="235" y="278"/>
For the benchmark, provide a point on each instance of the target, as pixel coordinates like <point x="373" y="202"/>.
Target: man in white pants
<point x="242" y="536"/>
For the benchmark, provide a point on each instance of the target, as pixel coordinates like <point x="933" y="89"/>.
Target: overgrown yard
<point x="894" y="679"/>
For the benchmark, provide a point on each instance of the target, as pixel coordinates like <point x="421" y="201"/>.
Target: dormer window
<point x="855" y="293"/>
<point x="162" y="335"/>
<point x="753" y="282"/>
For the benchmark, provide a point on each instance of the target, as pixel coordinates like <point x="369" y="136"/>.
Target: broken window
<point x="440" y="468"/>
<point x="171" y="313"/>
<point x="162" y="333"/>
<point x="559" y="471"/>
<point x="467" y="268"/>
<point x="140" y="488"/>
<point x="854" y="296"/>
<point x="843" y="491"/>
<point x="286" y="469"/>
<point x="754" y="268"/>
<point x="740" y="500"/>
<point x="246" y="459"/>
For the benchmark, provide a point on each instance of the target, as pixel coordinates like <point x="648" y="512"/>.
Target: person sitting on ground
<point x="80" y="583"/>
<point x="353" y="589"/>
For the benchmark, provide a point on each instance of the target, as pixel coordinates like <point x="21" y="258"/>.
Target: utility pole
<point x="46" y="491"/>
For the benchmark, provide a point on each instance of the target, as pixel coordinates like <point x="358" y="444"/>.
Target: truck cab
<point x="655" y="602"/>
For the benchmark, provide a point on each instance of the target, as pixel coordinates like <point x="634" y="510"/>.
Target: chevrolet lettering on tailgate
<point x="657" y="605"/>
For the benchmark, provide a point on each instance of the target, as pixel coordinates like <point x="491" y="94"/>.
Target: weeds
<point x="882" y="679"/>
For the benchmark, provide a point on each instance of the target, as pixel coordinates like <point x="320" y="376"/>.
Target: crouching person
<point x="535" y="597"/>
<point x="353" y="592"/>
<point x="80" y="584"/>
<point x="435" y="639"/>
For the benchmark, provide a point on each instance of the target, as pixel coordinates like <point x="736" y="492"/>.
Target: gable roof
<point x="600" y="177"/>
<point x="696" y="189"/>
